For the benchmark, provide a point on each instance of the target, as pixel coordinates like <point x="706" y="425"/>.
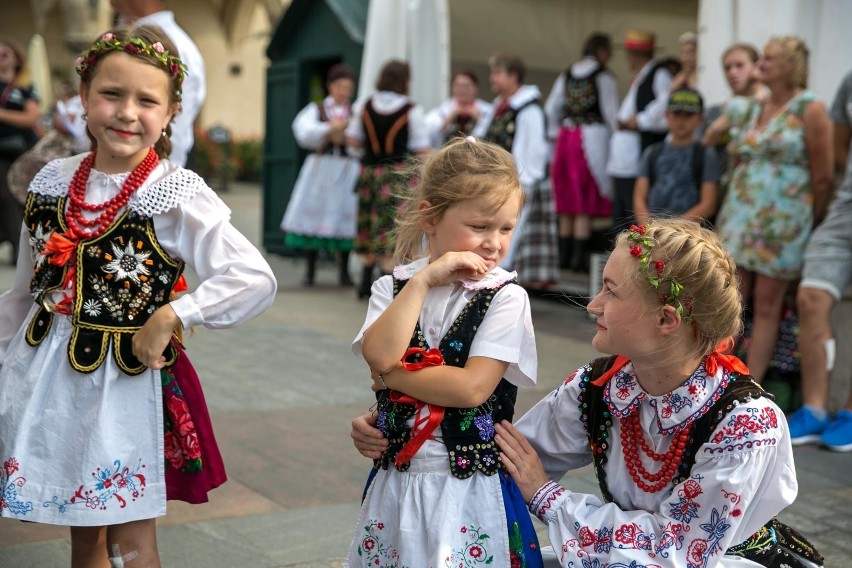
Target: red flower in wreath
<point x="636" y="250"/>
<point x="659" y="265"/>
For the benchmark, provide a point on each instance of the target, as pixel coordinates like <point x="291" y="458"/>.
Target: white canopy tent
<point x="416" y="31"/>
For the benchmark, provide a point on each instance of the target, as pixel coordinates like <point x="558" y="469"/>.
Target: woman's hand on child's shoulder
<point x="452" y="267"/>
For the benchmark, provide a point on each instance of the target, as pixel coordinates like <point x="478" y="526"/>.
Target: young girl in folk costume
<point x="388" y="130"/>
<point x="449" y="339"/>
<point x="321" y="211"/>
<point x="89" y="365"/>
<point x="693" y="458"/>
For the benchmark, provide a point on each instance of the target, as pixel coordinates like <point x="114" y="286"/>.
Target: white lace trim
<point x="173" y="187"/>
<point x="491" y="280"/>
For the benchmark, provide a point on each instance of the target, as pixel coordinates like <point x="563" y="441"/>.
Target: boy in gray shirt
<point x="678" y="177"/>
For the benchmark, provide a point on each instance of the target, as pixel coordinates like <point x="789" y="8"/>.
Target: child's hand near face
<point x="150" y="341"/>
<point x="452" y="267"/>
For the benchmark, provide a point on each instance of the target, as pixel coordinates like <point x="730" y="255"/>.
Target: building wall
<point x="234" y="100"/>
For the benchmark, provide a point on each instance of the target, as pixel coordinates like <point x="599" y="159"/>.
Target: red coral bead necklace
<point x="81" y="227"/>
<point x="632" y="440"/>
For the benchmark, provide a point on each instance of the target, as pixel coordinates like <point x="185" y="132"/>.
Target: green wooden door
<point x="281" y="154"/>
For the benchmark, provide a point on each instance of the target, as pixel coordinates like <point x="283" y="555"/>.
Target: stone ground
<point x="282" y="391"/>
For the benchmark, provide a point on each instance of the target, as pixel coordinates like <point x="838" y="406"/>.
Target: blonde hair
<point x="464" y="169"/>
<point x="795" y="52"/>
<point x="695" y="258"/>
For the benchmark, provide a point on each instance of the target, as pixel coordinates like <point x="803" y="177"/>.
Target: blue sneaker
<point x="838" y="435"/>
<point x="805" y="427"/>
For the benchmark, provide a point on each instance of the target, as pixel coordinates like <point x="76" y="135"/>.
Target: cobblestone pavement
<point x="282" y="391"/>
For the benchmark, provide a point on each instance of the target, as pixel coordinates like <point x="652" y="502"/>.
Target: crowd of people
<point x="455" y="213"/>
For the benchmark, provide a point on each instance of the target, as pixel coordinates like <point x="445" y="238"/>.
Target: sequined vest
<point x="581" y="103"/>
<point x="501" y="130"/>
<point x="468" y="433"/>
<point x="121" y="278"/>
<point x="387" y="135"/>
<point x="771" y="545"/>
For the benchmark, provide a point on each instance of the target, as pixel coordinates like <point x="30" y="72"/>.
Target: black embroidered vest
<point x="501" y="131"/>
<point x="468" y="433"/>
<point x="762" y="547"/>
<point x="121" y="278"/>
<point x="582" y="103"/>
<point x="387" y="135"/>
<point x="644" y="97"/>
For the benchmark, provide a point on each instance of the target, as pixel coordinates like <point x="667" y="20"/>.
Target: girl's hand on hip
<point x="454" y="266"/>
<point x="368" y="440"/>
<point x="521" y="460"/>
<point x="150" y="341"/>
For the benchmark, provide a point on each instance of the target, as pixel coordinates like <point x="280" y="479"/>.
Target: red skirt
<point x="193" y="463"/>
<point x="575" y="190"/>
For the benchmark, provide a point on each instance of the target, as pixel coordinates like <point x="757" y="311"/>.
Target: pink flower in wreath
<point x="158" y="47"/>
<point x="109" y="36"/>
<point x="10" y="466"/>
<point x="475" y="551"/>
<point x="173" y="451"/>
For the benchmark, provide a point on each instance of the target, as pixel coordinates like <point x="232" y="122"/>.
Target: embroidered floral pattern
<point x="128" y="264"/>
<point x="374" y="550"/>
<point x="182" y="448"/>
<point x="746" y="425"/>
<point x="38" y="238"/>
<point x="117" y="482"/>
<point x="474" y="552"/>
<point x="9" y="489"/>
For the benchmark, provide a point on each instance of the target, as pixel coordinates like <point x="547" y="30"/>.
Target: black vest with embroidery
<point x="582" y="103"/>
<point x="386" y="135"/>
<point x="645" y="96"/>
<point x="597" y="421"/>
<point x="468" y="433"/>
<point x="501" y="131"/>
<point x="121" y="278"/>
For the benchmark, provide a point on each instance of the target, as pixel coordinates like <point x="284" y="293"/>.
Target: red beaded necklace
<point x="632" y="440"/>
<point x="79" y="227"/>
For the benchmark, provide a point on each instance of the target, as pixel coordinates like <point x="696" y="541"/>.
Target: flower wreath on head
<point x="171" y="64"/>
<point x="669" y="289"/>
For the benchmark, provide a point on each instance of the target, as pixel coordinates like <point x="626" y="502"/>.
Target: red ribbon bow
<point x="423" y="427"/>
<point x="730" y="362"/>
<point x="59" y="248"/>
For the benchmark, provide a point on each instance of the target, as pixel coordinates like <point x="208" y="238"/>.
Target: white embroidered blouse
<point x="742" y="477"/>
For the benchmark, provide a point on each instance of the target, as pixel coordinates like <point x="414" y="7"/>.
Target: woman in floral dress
<point x="781" y="147"/>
